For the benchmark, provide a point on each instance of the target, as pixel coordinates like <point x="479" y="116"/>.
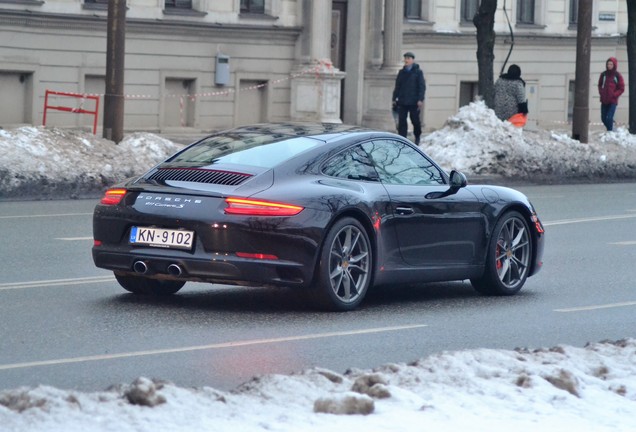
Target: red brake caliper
<point x="499" y="263"/>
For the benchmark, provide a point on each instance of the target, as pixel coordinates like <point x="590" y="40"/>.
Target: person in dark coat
<point x="408" y="96"/>
<point x="610" y="87"/>
<point x="510" y="94"/>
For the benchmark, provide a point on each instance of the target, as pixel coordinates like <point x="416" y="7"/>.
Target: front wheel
<point x="508" y="259"/>
<point x="345" y="269"/>
<point x="142" y="285"/>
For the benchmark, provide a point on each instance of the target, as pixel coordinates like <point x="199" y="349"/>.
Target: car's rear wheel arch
<point x="368" y="227"/>
<point x="328" y="289"/>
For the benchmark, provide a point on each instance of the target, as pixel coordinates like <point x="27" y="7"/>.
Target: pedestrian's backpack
<point x="615" y="78"/>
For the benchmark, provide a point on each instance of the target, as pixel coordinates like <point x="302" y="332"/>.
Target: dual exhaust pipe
<point x="142" y="268"/>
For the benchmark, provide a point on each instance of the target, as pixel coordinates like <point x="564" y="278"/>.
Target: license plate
<point x="159" y="237"/>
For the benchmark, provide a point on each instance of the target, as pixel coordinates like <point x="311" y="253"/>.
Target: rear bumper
<point x="220" y="269"/>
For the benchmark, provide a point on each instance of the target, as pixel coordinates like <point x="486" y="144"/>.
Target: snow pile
<point x="475" y="141"/>
<point x="562" y="388"/>
<point x="52" y="162"/>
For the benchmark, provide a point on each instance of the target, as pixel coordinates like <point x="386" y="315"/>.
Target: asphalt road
<point x="65" y="323"/>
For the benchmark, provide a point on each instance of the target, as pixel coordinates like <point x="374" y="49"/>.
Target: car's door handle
<point x="404" y="210"/>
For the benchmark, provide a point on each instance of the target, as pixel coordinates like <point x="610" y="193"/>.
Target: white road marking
<point x="55" y="282"/>
<point x="595" y="307"/>
<point x="44" y="215"/>
<point x="74" y="238"/>
<point x="624" y="243"/>
<point x="590" y="219"/>
<point x="206" y="347"/>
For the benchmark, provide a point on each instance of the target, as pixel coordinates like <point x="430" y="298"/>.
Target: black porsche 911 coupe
<point x="328" y="208"/>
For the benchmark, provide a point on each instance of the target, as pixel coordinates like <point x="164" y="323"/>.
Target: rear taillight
<point x="250" y="207"/>
<point x="259" y="256"/>
<point x="113" y="196"/>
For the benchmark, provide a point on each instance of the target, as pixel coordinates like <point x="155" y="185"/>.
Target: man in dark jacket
<point x="610" y="87"/>
<point x="408" y="96"/>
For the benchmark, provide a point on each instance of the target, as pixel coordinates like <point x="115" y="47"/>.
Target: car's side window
<point x="353" y="164"/>
<point x="398" y="163"/>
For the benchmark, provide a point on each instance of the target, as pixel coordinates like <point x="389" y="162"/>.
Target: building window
<point x="179" y="4"/>
<point x="469" y="9"/>
<point x="96" y="5"/>
<point x="253" y="6"/>
<point x="419" y="10"/>
<point x="525" y="11"/>
<point x="413" y="9"/>
<point x="574" y="11"/>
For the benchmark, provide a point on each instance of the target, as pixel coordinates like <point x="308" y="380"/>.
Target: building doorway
<point x="252" y="102"/>
<point x="179" y="102"/>
<point x="17" y="88"/>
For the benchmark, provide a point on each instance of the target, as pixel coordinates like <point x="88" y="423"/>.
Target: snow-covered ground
<point x="583" y="389"/>
<point x="564" y="388"/>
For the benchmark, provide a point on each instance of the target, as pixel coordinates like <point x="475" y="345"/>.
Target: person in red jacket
<point x="610" y="87"/>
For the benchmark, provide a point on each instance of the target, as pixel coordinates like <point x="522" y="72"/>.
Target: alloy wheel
<point x="512" y="252"/>
<point x="349" y="264"/>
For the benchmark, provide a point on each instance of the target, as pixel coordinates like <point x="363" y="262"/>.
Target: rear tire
<point x="145" y="286"/>
<point x="508" y="257"/>
<point x="345" y="269"/>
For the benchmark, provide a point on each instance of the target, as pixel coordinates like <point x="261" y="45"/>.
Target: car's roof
<point x="323" y="131"/>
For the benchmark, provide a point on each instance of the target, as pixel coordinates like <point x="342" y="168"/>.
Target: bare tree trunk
<point x="484" y="21"/>
<point x="631" y="63"/>
<point x="114" y="97"/>
<point x="581" y="114"/>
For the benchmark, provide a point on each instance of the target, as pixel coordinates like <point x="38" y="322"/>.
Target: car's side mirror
<point x="457" y="181"/>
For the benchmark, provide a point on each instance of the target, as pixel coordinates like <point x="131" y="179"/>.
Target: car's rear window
<point x="245" y="149"/>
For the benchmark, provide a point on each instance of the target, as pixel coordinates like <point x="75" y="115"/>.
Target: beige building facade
<point x="202" y="65"/>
